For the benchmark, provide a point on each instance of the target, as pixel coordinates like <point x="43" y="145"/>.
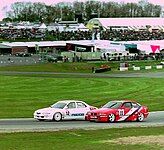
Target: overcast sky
<point x="7" y="3"/>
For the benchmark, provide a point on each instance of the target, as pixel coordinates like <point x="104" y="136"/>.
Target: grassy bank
<point x="105" y="139"/>
<point x="20" y="96"/>
<point x="82" y="67"/>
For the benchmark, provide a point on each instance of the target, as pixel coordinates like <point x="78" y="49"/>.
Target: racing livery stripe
<point x="129" y="113"/>
<point x="139" y="109"/>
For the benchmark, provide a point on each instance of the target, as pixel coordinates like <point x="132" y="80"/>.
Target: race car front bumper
<point x="102" y="118"/>
<point x="41" y="116"/>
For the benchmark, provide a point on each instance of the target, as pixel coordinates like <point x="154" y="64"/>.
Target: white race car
<point x="64" y="110"/>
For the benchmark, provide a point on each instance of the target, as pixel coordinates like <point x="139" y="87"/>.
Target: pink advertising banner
<point x="155" y="48"/>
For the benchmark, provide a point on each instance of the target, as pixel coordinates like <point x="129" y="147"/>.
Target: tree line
<point x="83" y="11"/>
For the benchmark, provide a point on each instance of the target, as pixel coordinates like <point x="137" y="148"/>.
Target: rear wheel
<point x="111" y="118"/>
<point x="140" y="117"/>
<point x="57" y="116"/>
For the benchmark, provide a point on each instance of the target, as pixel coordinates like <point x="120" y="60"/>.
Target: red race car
<point x="122" y="110"/>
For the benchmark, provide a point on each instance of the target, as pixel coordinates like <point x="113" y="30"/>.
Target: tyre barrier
<point x="99" y="70"/>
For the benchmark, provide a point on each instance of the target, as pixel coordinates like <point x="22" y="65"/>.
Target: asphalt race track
<point x="29" y="124"/>
<point x="90" y="75"/>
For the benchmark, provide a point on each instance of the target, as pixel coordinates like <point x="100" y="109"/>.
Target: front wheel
<point x="57" y="116"/>
<point x="111" y="118"/>
<point x="140" y="117"/>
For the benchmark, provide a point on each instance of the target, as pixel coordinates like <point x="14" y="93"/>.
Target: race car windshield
<point x="58" y="105"/>
<point x="112" y="105"/>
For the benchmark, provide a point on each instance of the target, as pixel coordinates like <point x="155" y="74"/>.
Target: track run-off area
<point x="32" y="125"/>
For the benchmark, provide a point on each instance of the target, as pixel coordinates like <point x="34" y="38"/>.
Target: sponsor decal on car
<point x="78" y="114"/>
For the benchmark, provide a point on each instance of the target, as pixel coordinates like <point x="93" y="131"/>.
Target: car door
<point x="82" y="110"/>
<point x="71" y="111"/>
<point x="125" y="111"/>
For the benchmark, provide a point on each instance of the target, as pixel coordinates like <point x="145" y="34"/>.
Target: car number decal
<point x="67" y="112"/>
<point x="129" y="113"/>
<point x="121" y="112"/>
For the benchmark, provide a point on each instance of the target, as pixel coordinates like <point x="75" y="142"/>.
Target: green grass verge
<point x="77" y="67"/>
<point x="20" y="96"/>
<point x="83" y="139"/>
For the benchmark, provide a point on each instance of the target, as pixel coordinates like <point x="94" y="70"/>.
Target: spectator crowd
<point x="113" y="35"/>
<point x="13" y="34"/>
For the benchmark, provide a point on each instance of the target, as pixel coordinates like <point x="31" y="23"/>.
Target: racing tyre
<point x="57" y="116"/>
<point x="140" y="117"/>
<point x="111" y="118"/>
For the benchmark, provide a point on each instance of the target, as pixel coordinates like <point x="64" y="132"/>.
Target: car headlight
<point x="88" y="113"/>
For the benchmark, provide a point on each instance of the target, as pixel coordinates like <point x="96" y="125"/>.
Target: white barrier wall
<point x="136" y="68"/>
<point x="148" y="67"/>
<point x="139" y="68"/>
<point x="123" y="68"/>
<point x="159" y="66"/>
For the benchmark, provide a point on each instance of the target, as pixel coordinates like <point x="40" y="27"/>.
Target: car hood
<point x="48" y="109"/>
<point x="102" y="110"/>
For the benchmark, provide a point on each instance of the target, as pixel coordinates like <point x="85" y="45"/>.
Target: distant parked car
<point x="64" y="110"/>
<point x="114" y="111"/>
<point x="22" y="54"/>
<point x="39" y="35"/>
<point x="52" y="58"/>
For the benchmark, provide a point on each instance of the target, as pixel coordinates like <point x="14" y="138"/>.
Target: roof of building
<point x="123" y="22"/>
<point x="102" y="44"/>
<point x="33" y="44"/>
<point x="52" y="43"/>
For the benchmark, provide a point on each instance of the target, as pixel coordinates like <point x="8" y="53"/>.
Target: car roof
<point x="68" y="101"/>
<point x="122" y="101"/>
